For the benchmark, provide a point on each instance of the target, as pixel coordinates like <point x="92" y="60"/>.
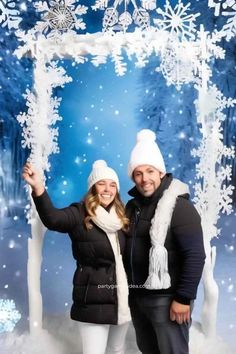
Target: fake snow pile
<point x="64" y="338"/>
<point x="199" y="344"/>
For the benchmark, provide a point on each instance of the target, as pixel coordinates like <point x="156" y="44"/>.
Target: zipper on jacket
<point x="136" y="219"/>
<point x="86" y="290"/>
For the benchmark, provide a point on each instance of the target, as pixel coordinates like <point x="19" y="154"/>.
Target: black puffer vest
<point x="184" y="244"/>
<point x="94" y="291"/>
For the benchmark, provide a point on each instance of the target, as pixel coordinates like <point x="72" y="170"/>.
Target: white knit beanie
<point x="100" y="171"/>
<point x="146" y="152"/>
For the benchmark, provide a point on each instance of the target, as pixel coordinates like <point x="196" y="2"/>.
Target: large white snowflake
<point x="177" y="20"/>
<point x="176" y="66"/>
<point x="226" y="8"/>
<point x="117" y="17"/>
<point x="9" y="316"/>
<point x="9" y="15"/>
<point x="60" y="16"/>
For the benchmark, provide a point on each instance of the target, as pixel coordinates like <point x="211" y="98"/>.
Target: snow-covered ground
<point x="63" y="337"/>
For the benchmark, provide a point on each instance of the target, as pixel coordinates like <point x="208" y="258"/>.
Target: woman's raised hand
<point x="33" y="178"/>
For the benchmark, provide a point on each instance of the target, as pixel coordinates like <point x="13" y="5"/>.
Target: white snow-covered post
<point x="33" y="274"/>
<point x="211" y="194"/>
<point x="35" y="243"/>
<point x="40" y="136"/>
<point x="208" y="210"/>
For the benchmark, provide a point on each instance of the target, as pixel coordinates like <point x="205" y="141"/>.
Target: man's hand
<point x="179" y="312"/>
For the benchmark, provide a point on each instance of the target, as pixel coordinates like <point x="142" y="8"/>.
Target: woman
<point x="95" y="226"/>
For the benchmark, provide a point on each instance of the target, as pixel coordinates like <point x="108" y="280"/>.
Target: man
<point x="165" y="253"/>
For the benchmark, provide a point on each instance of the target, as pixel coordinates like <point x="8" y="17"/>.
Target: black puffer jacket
<point x="94" y="293"/>
<point x="184" y="243"/>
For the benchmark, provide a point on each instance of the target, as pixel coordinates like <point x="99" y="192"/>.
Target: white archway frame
<point x="40" y="133"/>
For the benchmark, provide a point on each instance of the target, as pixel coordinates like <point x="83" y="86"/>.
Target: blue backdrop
<point x="101" y="116"/>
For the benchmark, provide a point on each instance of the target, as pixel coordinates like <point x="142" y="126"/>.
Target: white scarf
<point x="110" y="224"/>
<point x="159" y="277"/>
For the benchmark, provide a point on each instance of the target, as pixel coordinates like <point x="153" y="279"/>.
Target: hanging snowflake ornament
<point x="149" y="4"/>
<point x="110" y="18"/>
<point x="118" y="17"/>
<point x="141" y="18"/>
<point x="9" y="316"/>
<point x="60" y="16"/>
<point x="125" y="19"/>
<point x="9" y="15"/>
<point x="175" y="65"/>
<point x="177" y="21"/>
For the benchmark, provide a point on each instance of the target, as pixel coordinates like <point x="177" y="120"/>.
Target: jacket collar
<point x="165" y="182"/>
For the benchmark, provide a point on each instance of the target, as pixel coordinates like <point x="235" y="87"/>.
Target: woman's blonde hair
<point x="91" y="201"/>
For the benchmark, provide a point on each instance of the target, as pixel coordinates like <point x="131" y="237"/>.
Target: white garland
<point x="212" y="196"/>
<point x="39" y="131"/>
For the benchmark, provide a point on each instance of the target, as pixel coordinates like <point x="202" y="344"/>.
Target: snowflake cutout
<point x="175" y="66"/>
<point x="212" y="195"/>
<point x="9" y="16"/>
<point x="229" y="28"/>
<point x="114" y="20"/>
<point x="227" y="8"/>
<point x="9" y="316"/>
<point x="177" y="20"/>
<point x="225" y="173"/>
<point x="214" y="101"/>
<point x="60" y="16"/>
<point x="218" y="4"/>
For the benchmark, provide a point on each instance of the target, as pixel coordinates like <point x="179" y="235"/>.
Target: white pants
<point x="101" y="339"/>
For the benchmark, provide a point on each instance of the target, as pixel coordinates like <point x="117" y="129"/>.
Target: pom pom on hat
<point x="146" y="134"/>
<point x="99" y="164"/>
<point x="146" y="152"/>
<point x="100" y="170"/>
